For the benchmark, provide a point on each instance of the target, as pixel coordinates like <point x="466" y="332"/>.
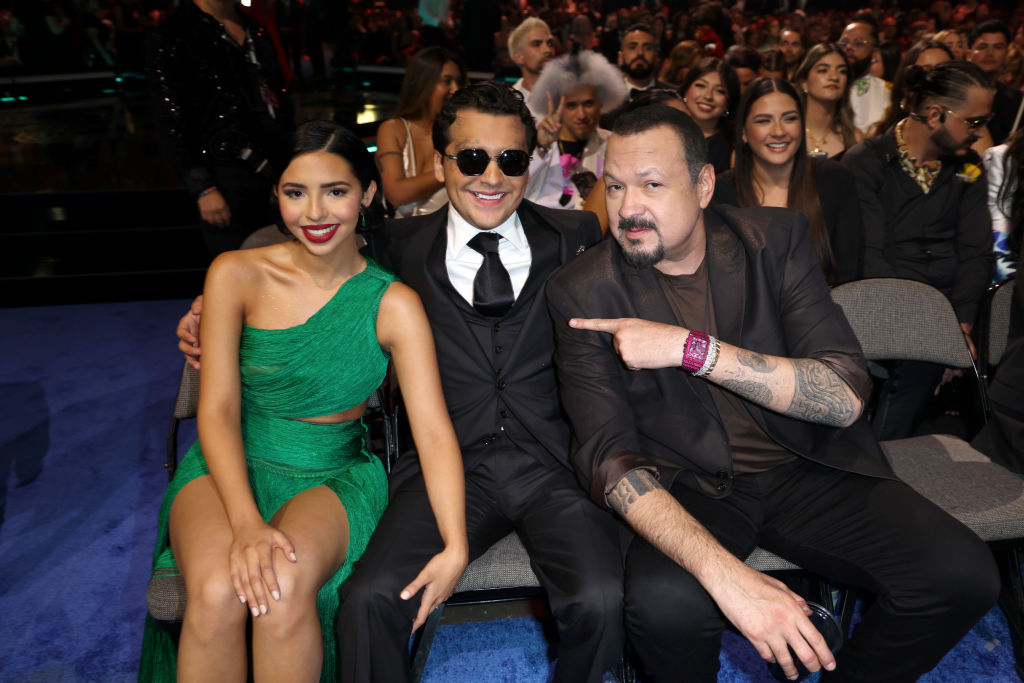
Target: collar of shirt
<point x="462" y="261"/>
<point x="925" y="174"/>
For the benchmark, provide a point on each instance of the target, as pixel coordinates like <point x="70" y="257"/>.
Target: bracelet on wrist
<point x="712" y="358"/>
<point x="695" y="351"/>
<point x="209" y="190"/>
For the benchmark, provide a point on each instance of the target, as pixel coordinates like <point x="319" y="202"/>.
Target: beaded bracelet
<point x="695" y="351"/>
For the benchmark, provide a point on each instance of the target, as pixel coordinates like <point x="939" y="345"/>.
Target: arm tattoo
<point x="756" y="361"/>
<point x="749" y="389"/>
<point x="629" y="490"/>
<point x="819" y="395"/>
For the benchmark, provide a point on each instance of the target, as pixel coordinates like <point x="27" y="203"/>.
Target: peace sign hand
<point x="547" y="129"/>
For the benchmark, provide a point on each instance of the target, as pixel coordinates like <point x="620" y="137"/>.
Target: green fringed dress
<point x="324" y="366"/>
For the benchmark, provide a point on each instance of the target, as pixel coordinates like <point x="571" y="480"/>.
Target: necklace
<point x="818" y="144"/>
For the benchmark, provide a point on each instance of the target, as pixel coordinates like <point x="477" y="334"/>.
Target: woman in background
<point x="824" y="83"/>
<point x="954" y="42"/>
<point x="1002" y="439"/>
<point x="926" y="53"/>
<point x="773" y="169"/>
<point x="1004" y="173"/>
<point x="709" y="90"/>
<point x="405" y="148"/>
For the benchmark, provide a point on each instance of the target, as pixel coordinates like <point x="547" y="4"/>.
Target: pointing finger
<point x="610" y="325"/>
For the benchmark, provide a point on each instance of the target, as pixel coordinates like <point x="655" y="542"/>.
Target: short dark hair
<point x="990" y="26"/>
<point x="742" y="56"/>
<point x="867" y="20"/>
<point x="327" y="136"/>
<point x="646" y="118"/>
<point x="646" y="28"/>
<point x="488" y="97"/>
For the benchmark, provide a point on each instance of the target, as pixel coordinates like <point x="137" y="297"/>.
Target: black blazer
<point x="840" y="207"/>
<point x="478" y="383"/>
<point x="769" y="296"/>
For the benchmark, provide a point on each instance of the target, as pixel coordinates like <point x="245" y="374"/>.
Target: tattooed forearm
<point x="749" y="389"/>
<point x="756" y="361"/>
<point x="820" y="396"/>
<point x="630" y="488"/>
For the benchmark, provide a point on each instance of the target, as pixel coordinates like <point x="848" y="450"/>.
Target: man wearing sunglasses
<point x="869" y="95"/>
<point x="925" y="214"/>
<point x="480" y="266"/>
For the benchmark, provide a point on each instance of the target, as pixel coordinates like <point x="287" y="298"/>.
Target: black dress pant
<point x="933" y="578"/>
<point x="903" y="399"/>
<point x="574" y="549"/>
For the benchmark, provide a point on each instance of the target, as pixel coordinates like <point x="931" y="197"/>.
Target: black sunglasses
<point x="471" y="162"/>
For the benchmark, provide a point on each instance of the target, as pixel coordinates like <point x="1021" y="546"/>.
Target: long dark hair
<point x="326" y="136"/>
<point x="421" y="75"/>
<point x="1011" y="192"/>
<point x="842" y="118"/>
<point x="803" y="186"/>
<point x="729" y="82"/>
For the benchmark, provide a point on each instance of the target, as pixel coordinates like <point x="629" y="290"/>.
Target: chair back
<point x="896" y="319"/>
<point x="998" y="323"/>
<point x="187" y="401"/>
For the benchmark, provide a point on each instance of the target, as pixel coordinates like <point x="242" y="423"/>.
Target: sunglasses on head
<point x="471" y="162"/>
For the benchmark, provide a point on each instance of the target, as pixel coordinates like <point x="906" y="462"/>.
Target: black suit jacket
<point x="769" y="296"/>
<point x="486" y="391"/>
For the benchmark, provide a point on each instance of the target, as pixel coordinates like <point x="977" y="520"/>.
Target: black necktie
<point x="492" y="286"/>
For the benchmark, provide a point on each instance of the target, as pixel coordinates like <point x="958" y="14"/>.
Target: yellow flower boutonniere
<point x="969" y="173"/>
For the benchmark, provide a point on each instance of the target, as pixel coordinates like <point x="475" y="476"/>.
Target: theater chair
<point x="993" y="326"/>
<point x="905" y="320"/>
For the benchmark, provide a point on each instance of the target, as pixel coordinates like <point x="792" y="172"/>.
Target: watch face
<point x="699" y="347"/>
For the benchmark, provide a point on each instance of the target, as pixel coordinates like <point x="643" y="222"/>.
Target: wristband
<point x="709" y="362"/>
<point x="209" y="190"/>
<point x="695" y="351"/>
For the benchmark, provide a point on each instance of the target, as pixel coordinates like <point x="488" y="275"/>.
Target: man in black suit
<point x="495" y="345"/>
<point x="759" y="442"/>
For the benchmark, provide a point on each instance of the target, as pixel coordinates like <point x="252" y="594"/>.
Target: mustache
<point x="635" y="222"/>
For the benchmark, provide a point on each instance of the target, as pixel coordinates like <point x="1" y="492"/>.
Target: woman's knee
<point x="212" y="604"/>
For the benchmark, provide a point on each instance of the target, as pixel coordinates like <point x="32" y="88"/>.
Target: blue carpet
<point x="85" y="397"/>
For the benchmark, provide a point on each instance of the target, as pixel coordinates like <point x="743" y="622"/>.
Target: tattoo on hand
<point x="630" y="488"/>
<point x="756" y="361"/>
<point x="819" y="395"/>
<point x="749" y="389"/>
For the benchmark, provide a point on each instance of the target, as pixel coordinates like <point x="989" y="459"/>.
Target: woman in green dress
<point x="270" y="509"/>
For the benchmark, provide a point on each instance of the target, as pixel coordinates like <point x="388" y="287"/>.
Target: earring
<point x="725" y="114"/>
<point x="684" y="100"/>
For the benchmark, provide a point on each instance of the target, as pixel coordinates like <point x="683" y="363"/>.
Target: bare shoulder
<point x="400" y="315"/>
<point x="399" y="300"/>
<point x="390" y="136"/>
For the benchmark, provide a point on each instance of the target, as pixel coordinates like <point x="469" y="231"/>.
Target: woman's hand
<point x="251" y="559"/>
<point x="438" y="579"/>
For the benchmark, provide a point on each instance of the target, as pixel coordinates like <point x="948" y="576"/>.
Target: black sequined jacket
<point x="213" y="98"/>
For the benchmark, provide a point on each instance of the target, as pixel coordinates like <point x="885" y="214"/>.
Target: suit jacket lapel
<point x="727" y="277"/>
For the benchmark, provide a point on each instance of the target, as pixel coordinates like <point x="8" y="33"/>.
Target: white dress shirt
<point x="462" y="261"/>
